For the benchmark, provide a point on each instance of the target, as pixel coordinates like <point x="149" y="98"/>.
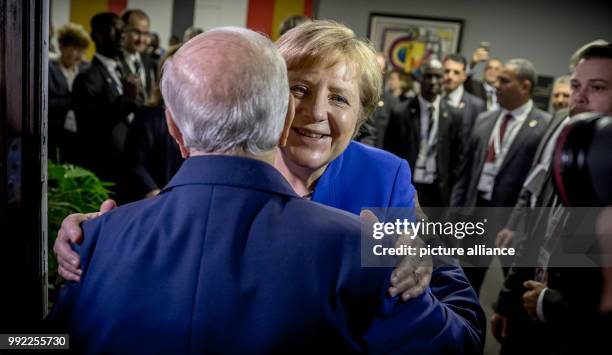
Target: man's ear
<point x="176" y="134"/>
<point x="527" y="86"/>
<point x="288" y="122"/>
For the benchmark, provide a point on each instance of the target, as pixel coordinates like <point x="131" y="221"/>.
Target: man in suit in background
<point x="559" y="97"/>
<point x="539" y="304"/>
<point x="427" y="132"/>
<point x="501" y="150"/>
<point x="456" y="96"/>
<point x="134" y="59"/>
<point x="484" y="89"/>
<point x="217" y="252"/>
<point x="104" y="100"/>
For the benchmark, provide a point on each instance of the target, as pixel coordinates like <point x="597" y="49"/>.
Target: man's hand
<point x="504" y="238"/>
<point x="499" y="326"/>
<point x="132" y="87"/>
<point x="70" y="232"/>
<point x="480" y="55"/>
<point x="412" y="275"/>
<point x="530" y="298"/>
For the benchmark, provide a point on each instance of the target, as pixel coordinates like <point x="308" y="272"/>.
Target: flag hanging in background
<point x="266" y="15"/>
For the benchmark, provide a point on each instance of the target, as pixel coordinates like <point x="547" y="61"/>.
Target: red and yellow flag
<point x="266" y="15"/>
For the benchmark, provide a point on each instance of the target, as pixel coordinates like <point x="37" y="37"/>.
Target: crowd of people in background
<point x="469" y="143"/>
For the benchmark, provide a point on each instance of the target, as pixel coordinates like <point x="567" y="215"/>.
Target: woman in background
<point x="73" y="42"/>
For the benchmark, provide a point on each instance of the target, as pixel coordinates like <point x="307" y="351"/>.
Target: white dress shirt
<point x="454" y="97"/>
<point x="113" y="68"/>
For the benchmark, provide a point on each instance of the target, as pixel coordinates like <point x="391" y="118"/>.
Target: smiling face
<point x="327" y="108"/>
<point x="137" y="34"/>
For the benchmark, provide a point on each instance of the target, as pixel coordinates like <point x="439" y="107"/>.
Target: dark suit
<point x="517" y="221"/>
<point x="571" y="303"/>
<point x="152" y="156"/>
<point x="60" y="101"/>
<point x="472" y="106"/>
<point x="514" y="168"/>
<point x="373" y="130"/>
<point x="150" y="71"/>
<point x="403" y="138"/>
<point x="102" y="118"/>
<point x="475" y="87"/>
<point x="227" y="259"/>
<point x="508" y="180"/>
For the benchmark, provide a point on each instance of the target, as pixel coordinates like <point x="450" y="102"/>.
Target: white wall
<point x="160" y="14"/>
<point x="60" y="13"/>
<point x="214" y="13"/>
<point x="546" y="32"/>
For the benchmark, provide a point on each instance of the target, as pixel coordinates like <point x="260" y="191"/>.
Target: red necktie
<point x="502" y="132"/>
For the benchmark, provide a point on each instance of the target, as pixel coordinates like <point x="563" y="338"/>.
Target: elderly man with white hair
<point x="227" y="258"/>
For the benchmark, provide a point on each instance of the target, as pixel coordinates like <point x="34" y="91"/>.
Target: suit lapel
<point x="527" y="129"/>
<point x="488" y="123"/>
<point x="552" y="127"/>
<point x="413" y="121"/>
<point x="444" y="121"/>
<point x="109" y="82"/>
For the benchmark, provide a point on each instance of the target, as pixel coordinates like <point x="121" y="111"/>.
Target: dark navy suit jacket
<point x="227" y="259"/>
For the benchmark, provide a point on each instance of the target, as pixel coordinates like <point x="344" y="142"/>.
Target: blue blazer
<point x="363" y="176"/>
<point x="227" y="259"/>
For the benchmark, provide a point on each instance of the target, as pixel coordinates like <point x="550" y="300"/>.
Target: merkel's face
<point x="327" y="106"/>
<point x="591" y="87"/>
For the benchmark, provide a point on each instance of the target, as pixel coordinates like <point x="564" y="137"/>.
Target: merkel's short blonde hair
<point x="73" y="34"/>
<point x="323" y="42"/>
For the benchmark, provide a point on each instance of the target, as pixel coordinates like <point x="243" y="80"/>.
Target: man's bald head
<point x="228" y="92"/>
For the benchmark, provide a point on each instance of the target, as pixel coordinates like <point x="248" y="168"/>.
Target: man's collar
<point x="520" y="111"/>
<point x="456" y="95"/>
<point x="231" y="171"/>
<point x="108" y="62"/>
<point x="488" y="87"/>
<point x="131" y="56"/>
<point x="424" y="103"/>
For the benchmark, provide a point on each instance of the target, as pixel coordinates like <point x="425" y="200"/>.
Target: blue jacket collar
<point x="230" y="171"/>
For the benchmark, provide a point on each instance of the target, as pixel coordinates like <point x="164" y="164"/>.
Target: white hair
<point x="228" y="92"/>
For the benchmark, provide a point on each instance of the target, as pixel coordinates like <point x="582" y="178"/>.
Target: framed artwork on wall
<point x="408" y="40"/>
